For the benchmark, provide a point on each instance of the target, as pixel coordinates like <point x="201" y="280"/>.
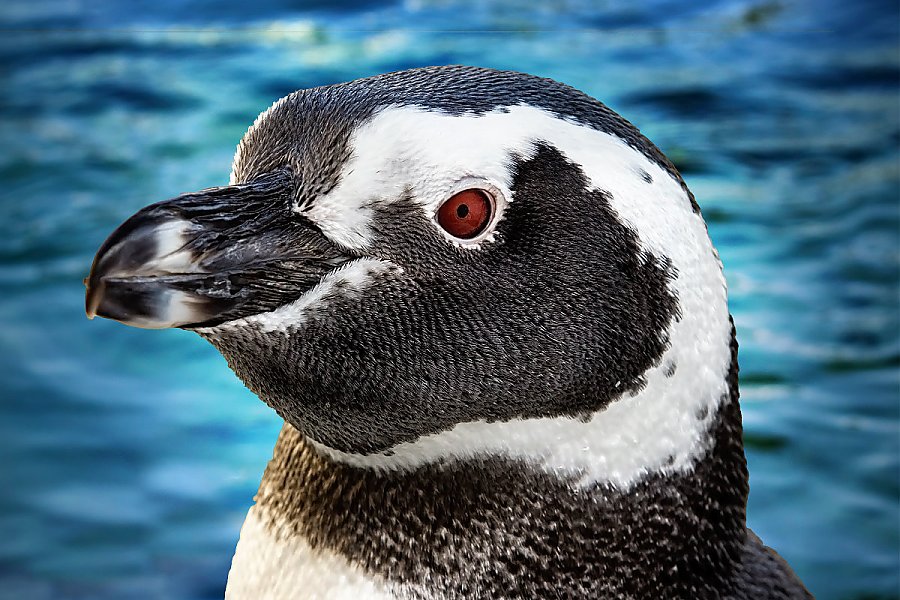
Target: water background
<point x="128" y="458"/>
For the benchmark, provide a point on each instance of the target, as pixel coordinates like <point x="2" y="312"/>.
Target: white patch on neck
<point x="279" y="565"/>
<point x="656" y="430"/>
<point x="350" y="278"/>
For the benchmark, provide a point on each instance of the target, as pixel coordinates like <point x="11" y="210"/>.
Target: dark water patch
<point x="279" y="87"/>
<point x="236" y="121"/>
<point x="689" y="162"/>
<point x="107" y="163"/>
<point x="688" y="102"/>
<point x="25" y="49"/>
<point x="37" y="22"/>
<point x="130" y="95"/>
<point x="761" y="378"/>
<point x="836" y="78"/>
<point x="22" y="50"/>
<point x="201" y="14"/>
<point x="815" y="167"/>
<point x="809" y="159"/>
<point x="861" y="338"/>
<point x="716" y="215"/>
<point x="275" y="86"/>
<point x="629" y="17"/>
<point x="173" y="150"/>
<point x="764" y="442"/>
<point x="845" y="365"/>
<point x="16" y="171"/>
<point x="868" y="272"/>
<point x="211" y="587"/>
<point x="761" y="14"/>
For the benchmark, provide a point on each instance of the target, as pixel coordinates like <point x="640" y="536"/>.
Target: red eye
<point x="466" y="214"/>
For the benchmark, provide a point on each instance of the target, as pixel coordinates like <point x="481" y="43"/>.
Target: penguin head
<point x="441" y="263"/>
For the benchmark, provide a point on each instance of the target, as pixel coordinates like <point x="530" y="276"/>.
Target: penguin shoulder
<point x="764" y="574"/>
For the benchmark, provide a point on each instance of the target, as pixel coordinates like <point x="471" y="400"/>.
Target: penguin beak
<point x="208" y="257"/>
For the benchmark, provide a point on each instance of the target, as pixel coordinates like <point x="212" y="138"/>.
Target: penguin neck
<point x="438" y="525"/>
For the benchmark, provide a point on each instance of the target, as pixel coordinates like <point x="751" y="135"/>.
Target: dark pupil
<point x="462" y="210"/>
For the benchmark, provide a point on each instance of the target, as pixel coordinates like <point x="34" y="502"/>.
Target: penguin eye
<point x="466" y="214"/>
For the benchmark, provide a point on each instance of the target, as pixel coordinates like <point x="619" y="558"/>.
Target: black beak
<point x="208" y="257"/>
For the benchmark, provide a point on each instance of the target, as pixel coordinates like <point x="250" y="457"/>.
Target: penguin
<point x="491" y="316"/>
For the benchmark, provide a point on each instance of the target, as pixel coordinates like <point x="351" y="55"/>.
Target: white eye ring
<point x="454" y="225"/>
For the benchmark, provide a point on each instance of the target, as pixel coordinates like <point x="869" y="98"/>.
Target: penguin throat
<point x="662" y="427"/>
<point x="431" y="530"/>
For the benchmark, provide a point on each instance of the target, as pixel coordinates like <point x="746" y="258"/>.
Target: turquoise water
<point x="128" y="458"/>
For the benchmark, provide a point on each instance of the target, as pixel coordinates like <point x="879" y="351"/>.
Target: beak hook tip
<point x="93" y="298"/>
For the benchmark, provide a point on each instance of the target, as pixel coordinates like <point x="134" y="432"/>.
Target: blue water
<point x="128" y="458"/>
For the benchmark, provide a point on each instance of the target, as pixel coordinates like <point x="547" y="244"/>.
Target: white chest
<point x="268" y="566"/>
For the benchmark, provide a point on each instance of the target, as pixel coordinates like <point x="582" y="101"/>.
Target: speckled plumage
<point x="497" y="529"/>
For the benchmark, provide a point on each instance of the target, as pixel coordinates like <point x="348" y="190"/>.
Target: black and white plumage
<point x="546" y="409"/>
